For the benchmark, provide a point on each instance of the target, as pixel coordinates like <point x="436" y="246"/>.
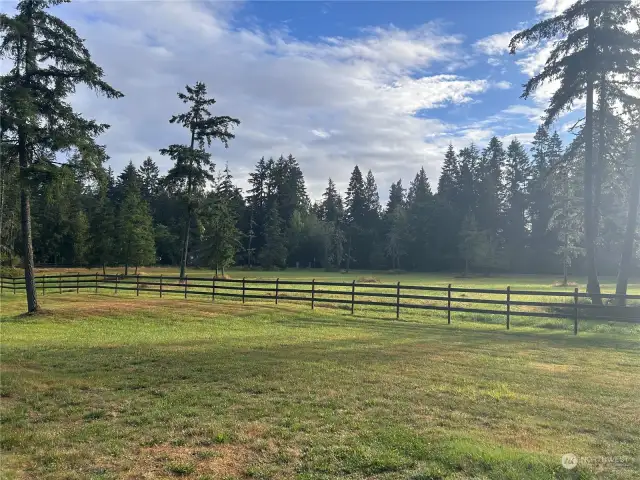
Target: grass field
<point x="106" y="387"/>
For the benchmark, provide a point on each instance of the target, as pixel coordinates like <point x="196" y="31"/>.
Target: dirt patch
<point x="220" y="461"/>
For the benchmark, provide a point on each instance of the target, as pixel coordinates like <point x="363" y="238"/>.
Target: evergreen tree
<point x="193" y="165"/>
<point x="420" y="214"/>
<point x="472" y="243"/>
<point x="546" y="153"/>
<point x="356" y="213"/>
<point x="332" y="209"/>
<point x="517" y="176"/>
<point x="102" y="231"/>
<point x="136" y="239"/>
<point x="274" y="252"/>
<point x="448" y="182"/>
<point x="396" y="196"/>
<point x="48" y="60"/>
<point x="397" y="236"/>
<point x="594" y="52"/>
<point x="149" y="176"/>
<point x="221" y="236"/>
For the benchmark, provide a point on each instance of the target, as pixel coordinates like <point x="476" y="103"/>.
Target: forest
<point x="552" y="208"/>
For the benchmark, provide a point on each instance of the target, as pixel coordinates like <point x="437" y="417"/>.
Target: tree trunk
<point x="565" y="280"/>
<point x="600" y="163"/>
<point x="136" y="272"/>
<point x="185" y="244"/>
<point x="29" y="277"/>
<point x="126" y="269"/>
<point x="626" y="258"/>
<point x="593" y="285"/>
<point x="25" y="196"/>
<point x="104" y="269"/>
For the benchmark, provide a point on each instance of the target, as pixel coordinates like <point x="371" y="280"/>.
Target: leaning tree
<point x="193" y="166"/>
<point x="48" y="60"/>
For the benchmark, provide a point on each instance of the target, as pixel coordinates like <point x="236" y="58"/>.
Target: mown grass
<point x="106" y="387"/>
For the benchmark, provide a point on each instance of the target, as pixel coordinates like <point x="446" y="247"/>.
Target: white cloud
<point x="496" y="44"/>
<point x="526" y="138"/>
<point x="331" y="103"/>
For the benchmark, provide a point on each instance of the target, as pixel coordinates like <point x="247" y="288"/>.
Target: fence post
<point x="1" y="284"/>
<point x="213" y="288"/>
<point x="186" y="281"/>
<point x="398" y="302"/>
<point x="77" y="283"/>
<point x="14" y="285"/>
<point x="449" y="305"/>
<point x="59" y="283"/>
<point x="277" y="288"/>
<point x="96" y="282"/>
<point x="160" y="285"/>
<point x="313" y="293"/>
<point x="508" y="307"/>
<point x="138" y="285"/>
<point x="44" y="277"/>
<point x="243" y="289"/>
<point x="575" y="312"/>
<point x="117" y="281"/>
<point x="353" y="295"/>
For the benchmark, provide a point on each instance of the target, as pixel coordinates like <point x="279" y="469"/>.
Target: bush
<point x="11" y="272"/>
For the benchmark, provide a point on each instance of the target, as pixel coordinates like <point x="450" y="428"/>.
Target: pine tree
<point x="48" y="60"/>
<point x="274" y="251"/>
<point x="420" y="214"/>
<point x="517" y="177"/>
<point x="102" y="231"/>
<point x="221" y="237"/>
<point x="136" y="237"/>
<point x="590" y="58"/>
<point x="397" y="236"/>
<point x="355" y="217"/>
<point x="332" y="209"/>
<point x="448" y="182"/>
<point x="546" y="153"/>
<point x="396" y="196"/>
<point x="472" y="242"/>
<point x="193" y="165"/>
<point x="149" y="175"/>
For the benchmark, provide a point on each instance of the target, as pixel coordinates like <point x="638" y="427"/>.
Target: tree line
<point x="496" y="208"/>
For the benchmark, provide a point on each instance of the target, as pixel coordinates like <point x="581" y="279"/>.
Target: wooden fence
<point x="568" y="305"/>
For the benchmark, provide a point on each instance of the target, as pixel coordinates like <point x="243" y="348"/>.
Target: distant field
<point x="106" y="387"/>
<point x="551" y="282"/>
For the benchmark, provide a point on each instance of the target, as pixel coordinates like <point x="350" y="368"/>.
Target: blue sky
<point x="385" y="85"/>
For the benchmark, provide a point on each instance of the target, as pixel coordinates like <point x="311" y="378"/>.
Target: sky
<point x="384" y="85"/>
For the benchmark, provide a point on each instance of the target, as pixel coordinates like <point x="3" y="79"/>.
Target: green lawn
<point x="106" y="387"/>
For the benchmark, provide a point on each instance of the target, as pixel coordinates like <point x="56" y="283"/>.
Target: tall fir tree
<point x="193" y="165"/>
<point x="47" y="61"/>
<point x="517" y="176"/>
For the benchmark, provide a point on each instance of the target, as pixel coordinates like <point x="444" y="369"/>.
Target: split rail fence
<point x="449" y="299"/>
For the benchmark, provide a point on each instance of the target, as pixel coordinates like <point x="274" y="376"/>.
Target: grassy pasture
<point x="106" y="387"/>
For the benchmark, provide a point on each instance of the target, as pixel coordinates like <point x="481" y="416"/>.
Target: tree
<point x="48" y="60"/>
<point x="517" y="176"/>
<point x="355" y="218"/>
<point x="420" y="215"/>
<point x="448" y="182"/>
<point x="274" y="252"/>
<point x="397" y="236"/>
<point x="594" y="51"/>
<point x="221" y="236"/>
<point x="624" y="269"/>
<point x="332" y="208"/>
<point x="136" y="236"/>
<point x="193" y="165"/>
<point x="472" y="242"/>
<point x="546" y="155"/>
<point x="149" y="175"/>
<point x="396" y="196"/>
<point x="102" y="230"/>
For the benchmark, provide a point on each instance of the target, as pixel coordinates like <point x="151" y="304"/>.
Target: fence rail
<point x="451" y="299"/>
